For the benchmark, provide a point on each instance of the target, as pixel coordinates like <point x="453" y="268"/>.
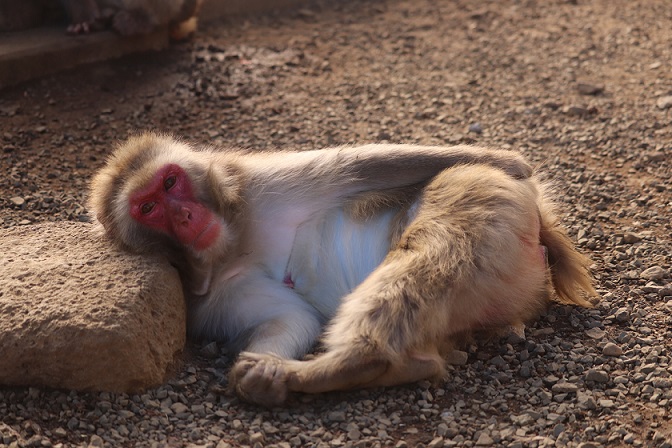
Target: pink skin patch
<point x="168" y="205"/>
<point x="288" y="280"/>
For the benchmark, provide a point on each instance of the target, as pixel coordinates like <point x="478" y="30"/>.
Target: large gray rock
<point x="77" y="313"/>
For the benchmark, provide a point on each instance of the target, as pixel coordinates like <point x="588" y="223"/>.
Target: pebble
<point x="484" y="440"/>
<point x="589" y="89"/>
<point x="664" y="102"/>
<point x="586" y="400"/>
<point x="457" y="358"/>
<point x="622" y="315"/>
<point x="437" y="442"/>
<point x="598" y="376"/>
<point x="564" y="387"/>
<point x="336" y="416"/>
<point x="611" y="349"/>
<point x="210" y="350"/>
<point x="558" y="429"/>
<point x="595" y="333"/>
<point x="631" y="238"/>
<point x="653" y="273"/>
<point x="666" y="290"/>
<point x="18" y="201"/>
<point x="476" y="128"/>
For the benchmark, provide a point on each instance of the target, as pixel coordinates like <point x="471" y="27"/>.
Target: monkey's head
<point x="156" y="192"/>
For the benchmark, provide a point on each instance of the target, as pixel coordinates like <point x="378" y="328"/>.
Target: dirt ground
<point x="581" y="87"/>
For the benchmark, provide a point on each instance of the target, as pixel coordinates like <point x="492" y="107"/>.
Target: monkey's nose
<point x="184" y="215"/>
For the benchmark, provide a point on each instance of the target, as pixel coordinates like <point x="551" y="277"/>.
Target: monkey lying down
<point x="395" y="248"/>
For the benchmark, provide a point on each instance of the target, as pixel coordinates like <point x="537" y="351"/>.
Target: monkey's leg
<point x="368" y="344"/>
<point x="470" y="259"/>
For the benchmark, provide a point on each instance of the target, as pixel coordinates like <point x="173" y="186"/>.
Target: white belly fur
<point x="333" y="253"/>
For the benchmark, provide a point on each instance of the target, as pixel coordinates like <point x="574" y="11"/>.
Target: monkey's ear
<point x="224" y="185"/>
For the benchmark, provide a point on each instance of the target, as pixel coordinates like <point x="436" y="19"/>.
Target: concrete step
<point x="39" y="52"/>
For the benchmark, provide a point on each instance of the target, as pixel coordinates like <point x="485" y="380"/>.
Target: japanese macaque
<point x="397" y="249"/>
<point x="131" y="17"/>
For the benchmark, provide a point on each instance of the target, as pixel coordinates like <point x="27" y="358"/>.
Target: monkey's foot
<point x="260" y="379"/>
<point x="86" y="27"/>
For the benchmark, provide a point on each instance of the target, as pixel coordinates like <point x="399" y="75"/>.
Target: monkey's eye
<point x="147" y="207"/>
<point x="169" y="182"/>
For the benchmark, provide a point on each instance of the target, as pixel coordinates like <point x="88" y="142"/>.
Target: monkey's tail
<point x="570" y="273"/>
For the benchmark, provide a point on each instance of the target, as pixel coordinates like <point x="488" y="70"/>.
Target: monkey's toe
<point x="260" y="379"/>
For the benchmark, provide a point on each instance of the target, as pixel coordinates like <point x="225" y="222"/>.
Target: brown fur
<point x="465" y="227"/>
<point x="460" y="255"/>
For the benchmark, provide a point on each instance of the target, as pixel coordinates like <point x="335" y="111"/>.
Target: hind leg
<point x="374" y="340"/>
<point x="470" y="259"/>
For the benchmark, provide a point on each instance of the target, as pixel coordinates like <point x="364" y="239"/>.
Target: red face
<point x="168" y="205"/>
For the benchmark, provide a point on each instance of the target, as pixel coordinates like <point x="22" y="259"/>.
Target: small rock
<point x="484" y="440"/>
<point x="611" y="349"/>
<point x="664" y="102"/>
<point x="498" y="361"/>
<point x="598" y="376"/>
<point x="595" y="333"/>
<point x="558" y="429"/>
<point x="589" y="89"/>
<point x="622" y="315"/>
<point x="651" y="288"/>
<point x="457" y="358"/>
<point x="576" y="111"/>
<point x="476" y="128"/>
<point x="550" y="380"/>
<point x="179" y="408"/>
<point x="257" y="437"/>
<point x="585" y="400"/>
<point x="605" y="403"/>
<point x="305" y="13"/>
<point x="653" y="273"/>
<point x="96" y="441"/>
<point x="666" y="291"/>
<point x="437" y="442"/>
<point x="354" y="434"/>
<point x="517" y="334"/>
<point x="210" y="350"/>
<point x="655" y="157"/>
<point x="543" y="331"/>
<point x="631" y="238"/>
<point x="564" y="387"/>
<point x="18" y="201"/>
<point x="661" y="383"/>
<point x="336" y="416"/>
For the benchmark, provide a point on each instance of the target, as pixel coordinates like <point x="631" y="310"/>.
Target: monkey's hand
<point x="260" y="379"/>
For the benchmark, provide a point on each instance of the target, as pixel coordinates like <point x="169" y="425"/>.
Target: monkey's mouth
<point x="206" y="237"/>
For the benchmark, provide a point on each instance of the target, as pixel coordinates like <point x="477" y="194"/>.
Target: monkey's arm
<point x="259" y="315"/>
<point x="350" y="170"/>
<point x="409" y="164"/>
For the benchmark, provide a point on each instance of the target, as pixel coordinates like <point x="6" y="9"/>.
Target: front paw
<point x="260" y="379"/>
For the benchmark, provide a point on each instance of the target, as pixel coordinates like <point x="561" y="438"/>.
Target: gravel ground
<point x="583" y="88"/>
